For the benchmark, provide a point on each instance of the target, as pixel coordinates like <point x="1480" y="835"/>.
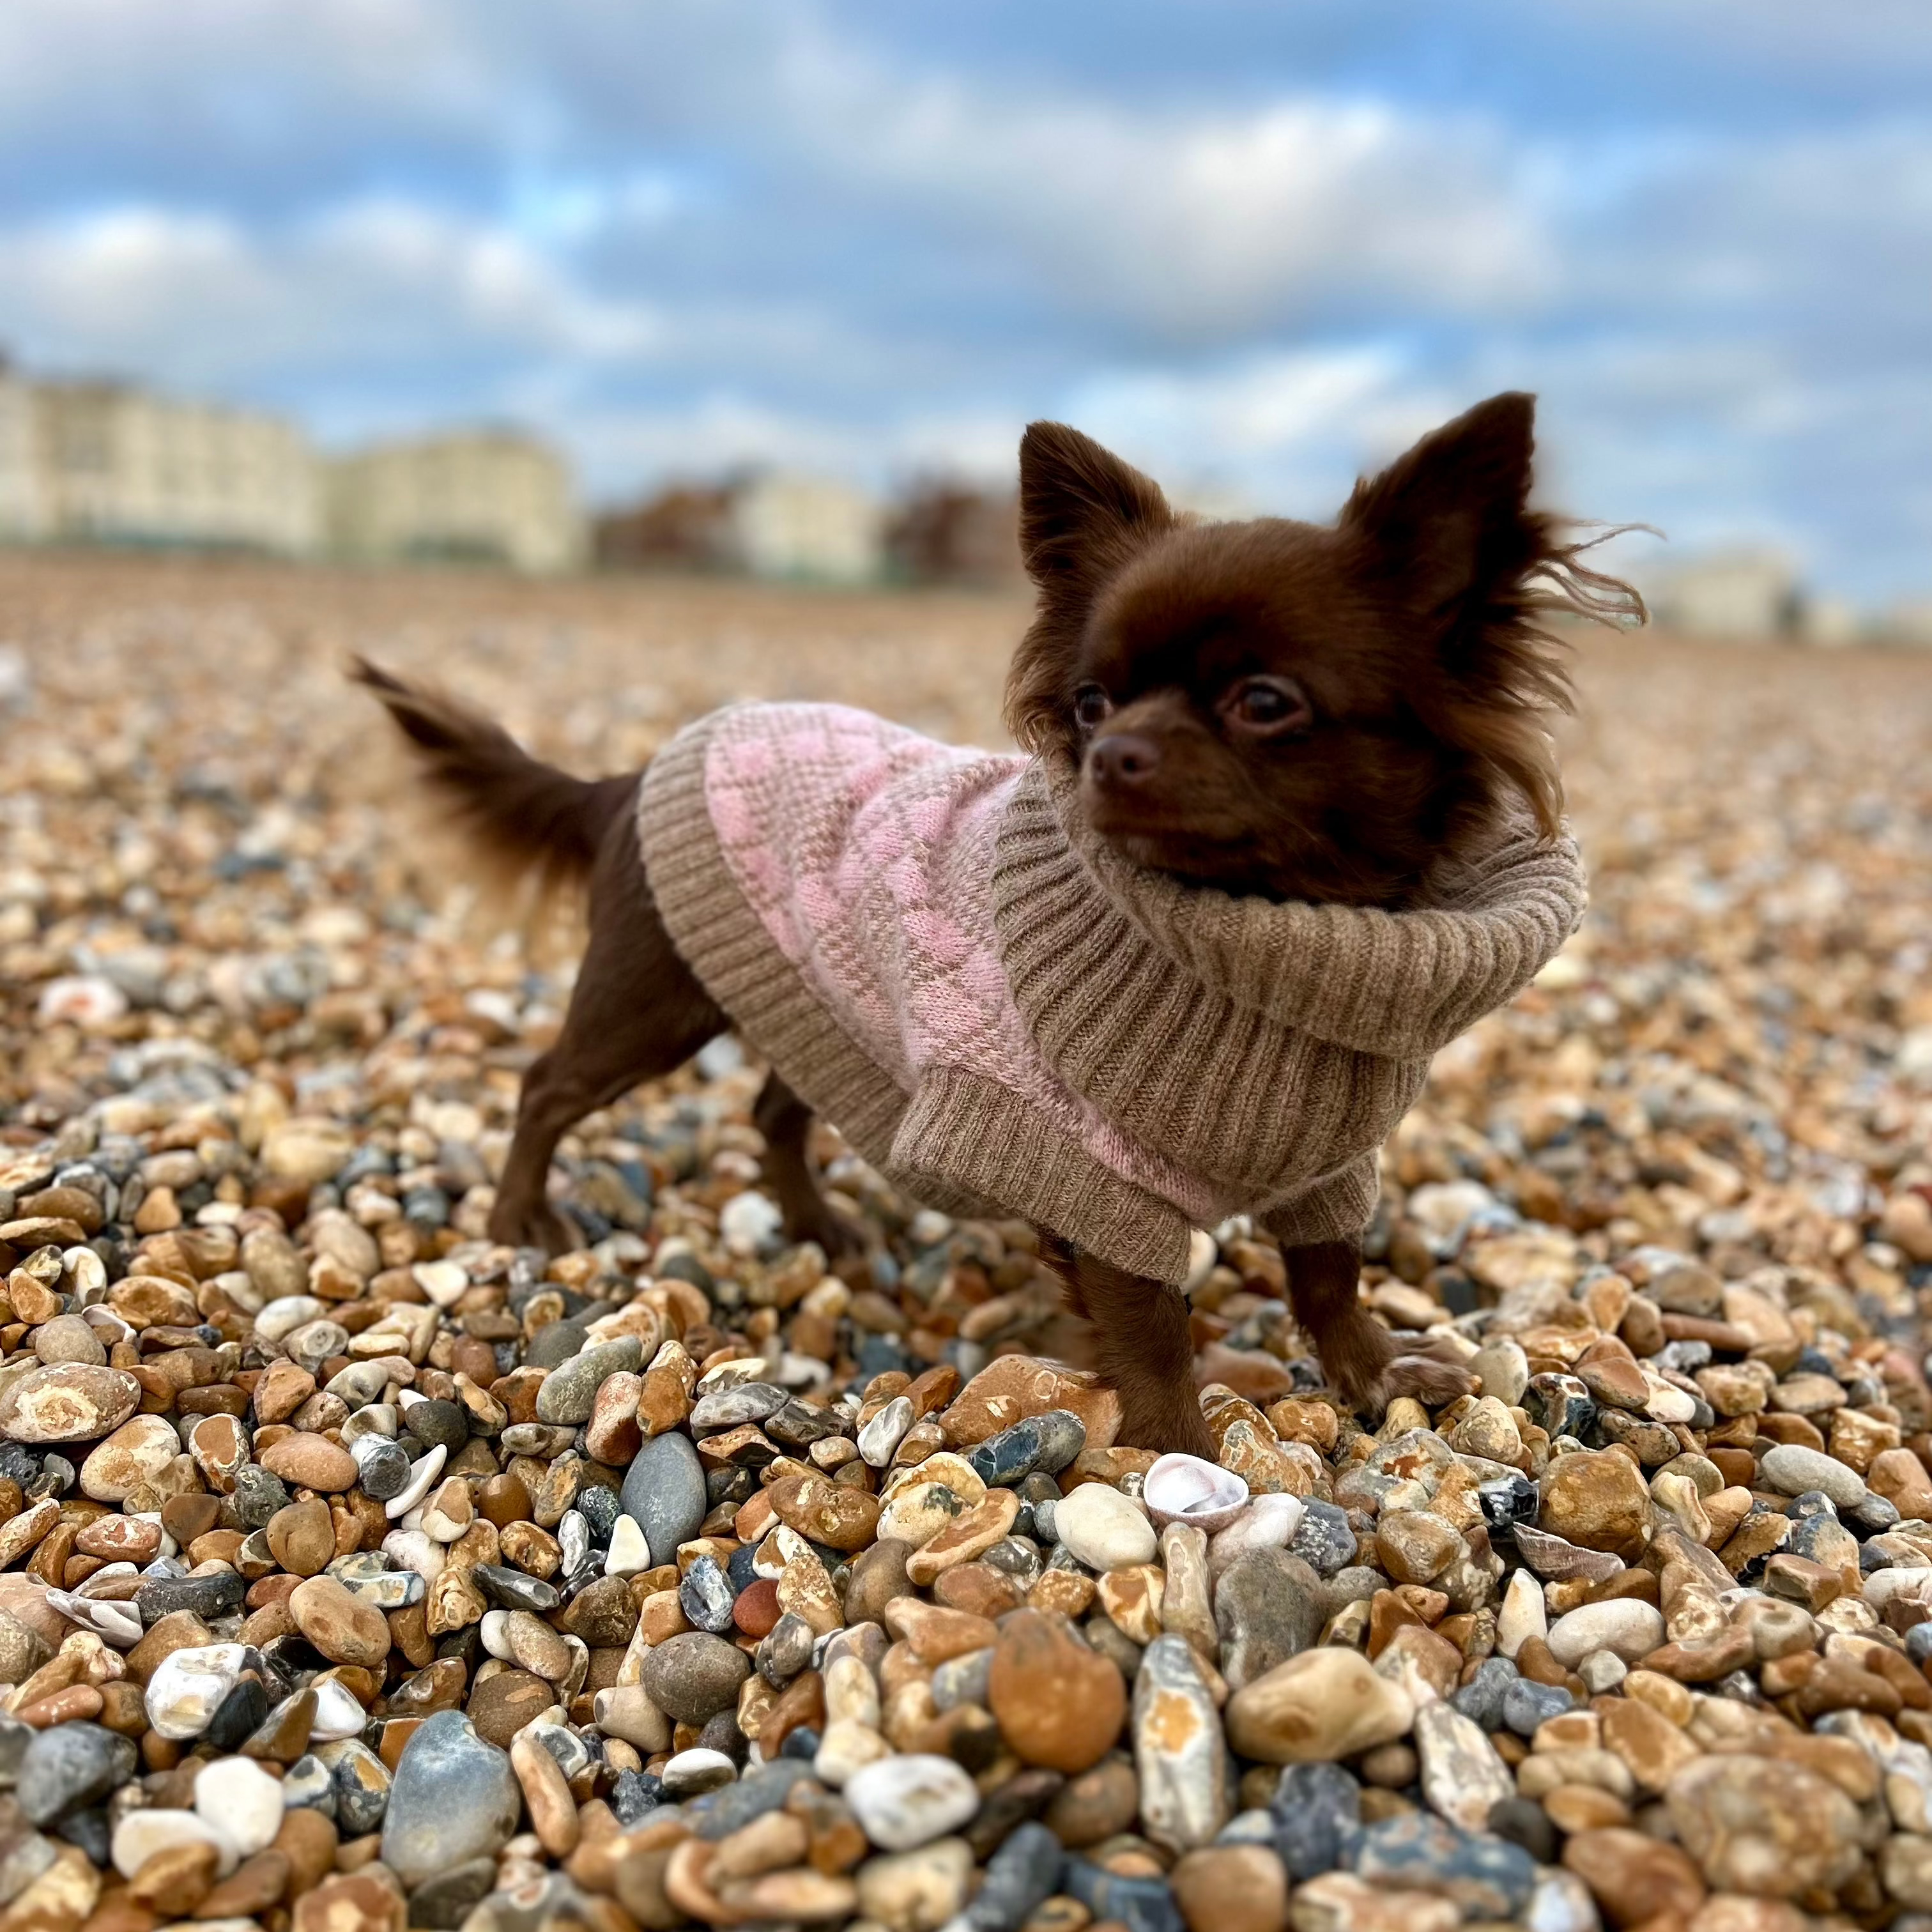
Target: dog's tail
<point x="530" y="821"/>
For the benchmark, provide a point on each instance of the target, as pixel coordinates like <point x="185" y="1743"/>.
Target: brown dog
<point x="1321" y="725"/>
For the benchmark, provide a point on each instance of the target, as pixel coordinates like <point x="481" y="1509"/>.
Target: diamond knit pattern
<point x="867" y="852"/>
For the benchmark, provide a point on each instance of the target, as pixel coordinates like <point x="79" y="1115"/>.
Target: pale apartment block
<point x="1744" y="594"/>
<point x="119" y="465"/>
<point x="22" y="503"/>
<point x="483" y="496"/>
<point x="806" y="528"/>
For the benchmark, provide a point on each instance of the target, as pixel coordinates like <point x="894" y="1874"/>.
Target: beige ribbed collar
<point x="1399" y="983"/>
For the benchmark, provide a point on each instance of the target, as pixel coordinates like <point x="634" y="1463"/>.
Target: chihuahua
<point x="1290" y="733"/>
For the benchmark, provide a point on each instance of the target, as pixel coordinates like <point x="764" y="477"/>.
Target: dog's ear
<point x="1447" y="536"/>
<point x="1083" y="513"/>
<point x="1447" y="525"/>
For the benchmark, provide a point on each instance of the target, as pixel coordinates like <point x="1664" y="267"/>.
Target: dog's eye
<point x="1091" y="707"/>
<point x="1268" y="707"/>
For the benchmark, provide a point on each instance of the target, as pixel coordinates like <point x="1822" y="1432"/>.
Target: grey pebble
<point x="1323" y="1541"/>
<point x="727" y="1408"/>
<point x="569" y="1391"/>
<point x="1269" y="1606"/>
<point x="1526" y="1704"/>
<point x="72" y="1765"/>
<point x="454" y="1798"/>
<point x="785" y="1650"/>
<point x="664" y="1493"/>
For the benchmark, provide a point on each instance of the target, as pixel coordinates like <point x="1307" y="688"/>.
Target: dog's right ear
<point x="1083" y="513"/>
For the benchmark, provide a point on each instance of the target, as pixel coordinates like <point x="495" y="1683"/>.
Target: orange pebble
<point x="77" y="1700"/>
<point x="756" y="1610"/>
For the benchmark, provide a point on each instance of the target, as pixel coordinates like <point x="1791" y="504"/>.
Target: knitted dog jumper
<point x="1005" y="1016"/>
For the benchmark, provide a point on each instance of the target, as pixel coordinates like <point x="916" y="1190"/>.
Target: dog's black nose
<point x="1123" y="759"/>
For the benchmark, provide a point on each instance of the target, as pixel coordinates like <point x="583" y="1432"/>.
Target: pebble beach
<point x="357" y="1573"/>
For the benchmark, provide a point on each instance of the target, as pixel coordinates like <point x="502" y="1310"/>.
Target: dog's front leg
<point x="1360" y="1356"/>
<point x="1142" y="1348"/>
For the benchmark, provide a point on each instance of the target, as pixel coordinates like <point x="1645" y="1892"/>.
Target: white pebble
<point x="412" y="1549"/>
<point x="1561" y="1903"/>
<point x="1523" y="1614"/>
<point x="885" y="1432"/>
<point x="1268" y="1523"/>
<point x="337" y="1715"/>
<point x="845" y="1750"/>
<point x="630" y="1553"/>
<point x="1602" y="1671"/>
<point x="749" y="1223"/>
<point x="851" y="1692"/>
<point x="422" y="1474"/>
<point x="697" y="1770"/>
<point x="909" y="1801"/>
<point x="188" y="1685"/>
<point x="1105" y="1529"/>
<point x="141" y="1835"/>
<point x="1627" y="1626"/>
<point x="236" y="1795"/>
<point x="1202" y="1253"/>
<point x="444" y="1283"/>
<point x="286" y="1314"/>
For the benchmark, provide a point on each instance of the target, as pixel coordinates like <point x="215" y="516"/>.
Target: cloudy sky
<point x="1255" y="243"/>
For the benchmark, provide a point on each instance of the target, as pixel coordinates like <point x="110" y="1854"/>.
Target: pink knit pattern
<point x="867" y="852"/>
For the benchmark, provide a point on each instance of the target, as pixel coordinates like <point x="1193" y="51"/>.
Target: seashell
<point x="1185" y="1488"/>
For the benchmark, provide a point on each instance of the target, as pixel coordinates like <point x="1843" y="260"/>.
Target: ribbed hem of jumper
<point x="1337" y="1208"/>
<point x="722" y="940"/>
<point x="968" y="1131"/>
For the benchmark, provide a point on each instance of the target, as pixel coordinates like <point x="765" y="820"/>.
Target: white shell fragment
<point x="1185" y="1488"/>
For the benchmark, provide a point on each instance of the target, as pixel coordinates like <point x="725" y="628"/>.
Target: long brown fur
<point x="1410" y="637"/>
<point x="534" y="825"/>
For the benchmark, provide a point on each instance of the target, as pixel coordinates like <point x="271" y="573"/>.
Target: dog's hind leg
<point x="637" y="1013"/>
<point x="785" y="1121"/>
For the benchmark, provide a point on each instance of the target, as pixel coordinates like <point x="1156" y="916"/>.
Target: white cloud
<point x="1285" y="431"/>
<point x="196" y="299"/>
<point x="239" y="68"/>
<point x="1199" y="223"/>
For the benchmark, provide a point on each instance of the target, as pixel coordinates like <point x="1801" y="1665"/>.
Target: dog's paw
<point x="838" y="1239"/>
<point x="542" y="1227"/>
<point x="1176" y="1427"/>
<point x="1430" y="1379"/>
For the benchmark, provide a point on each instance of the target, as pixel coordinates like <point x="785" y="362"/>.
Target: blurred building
<point x="769" y="523"/>
<point x="478" y="495"/>
<point x="806" y="529"/>
<point x="1909" y="622"/>
<point x="22" y="507"/>
<point x="685" y="526"/>
<point x="1750" y="594"/>
<point x="1832" y="623"/>
<point x="945" y="532"/>
<point x="114" y="463"/>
